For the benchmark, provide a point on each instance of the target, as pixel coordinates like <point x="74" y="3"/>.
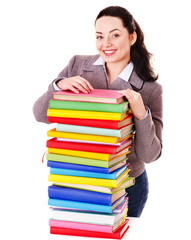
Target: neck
<point x="114" y="69"/>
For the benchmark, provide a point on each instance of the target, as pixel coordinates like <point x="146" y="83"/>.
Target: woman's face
<point x="113" y="40"/>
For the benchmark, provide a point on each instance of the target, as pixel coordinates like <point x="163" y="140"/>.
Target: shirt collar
<point x="125" y="74"/>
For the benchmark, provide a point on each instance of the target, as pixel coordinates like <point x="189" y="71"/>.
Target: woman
<point x="123" y="63"/>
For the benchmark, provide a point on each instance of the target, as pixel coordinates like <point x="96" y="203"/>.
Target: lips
<point x="109" y="52"/>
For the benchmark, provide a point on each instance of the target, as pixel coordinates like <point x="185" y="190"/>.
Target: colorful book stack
<point x="87" y="157"/>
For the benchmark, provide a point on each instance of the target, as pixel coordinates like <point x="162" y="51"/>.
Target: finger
<point x="80" y="87"/>
<point x="86" y="84"/>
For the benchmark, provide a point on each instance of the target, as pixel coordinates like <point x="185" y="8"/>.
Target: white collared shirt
<point x="125" y="74"/>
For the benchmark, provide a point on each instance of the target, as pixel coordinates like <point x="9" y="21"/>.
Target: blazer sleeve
<point x="148" y="137"/>
<point x="42" y="103"/>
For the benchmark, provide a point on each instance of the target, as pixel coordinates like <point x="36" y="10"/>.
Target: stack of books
<point x="87" y="156"/>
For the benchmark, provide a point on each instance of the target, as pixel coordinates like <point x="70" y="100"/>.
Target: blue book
<point x="80" y="195"/>
<point x="85" y="206"/>
<point x="79" y="167"/>
<point x="71" y="172"/>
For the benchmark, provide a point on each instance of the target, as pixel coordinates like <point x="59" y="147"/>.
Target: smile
<point x="109" y="52"/>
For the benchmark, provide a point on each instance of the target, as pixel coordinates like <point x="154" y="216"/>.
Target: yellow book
<point x="93" y="155"/>
<point x="88" y="181"/>
<point x="86" y="114"/>
<point x="86" y="137"/>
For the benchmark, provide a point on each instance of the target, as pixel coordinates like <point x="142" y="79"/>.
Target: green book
<point x="89" y="106"/>
<point x="84" y="161"/>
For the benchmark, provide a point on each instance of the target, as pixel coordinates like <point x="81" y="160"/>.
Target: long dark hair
<point x="139" y="54"/>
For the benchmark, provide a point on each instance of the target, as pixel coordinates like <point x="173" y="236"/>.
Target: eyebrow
<point x="109" y="31"/>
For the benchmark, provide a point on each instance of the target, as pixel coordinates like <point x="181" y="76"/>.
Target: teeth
<point x="109" y="51"/>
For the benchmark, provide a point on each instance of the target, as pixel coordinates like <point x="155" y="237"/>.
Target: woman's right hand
<point x="75" y="84"/>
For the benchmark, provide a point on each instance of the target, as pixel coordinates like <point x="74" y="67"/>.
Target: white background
<point x="37" y="40"/>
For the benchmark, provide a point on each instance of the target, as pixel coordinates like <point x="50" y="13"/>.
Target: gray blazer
<point x="147" y="146"/>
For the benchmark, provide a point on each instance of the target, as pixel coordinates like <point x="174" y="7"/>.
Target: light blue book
<point x="71" y="172"/>
<point x="86" y="206"/>
<point x="95" y="131"/>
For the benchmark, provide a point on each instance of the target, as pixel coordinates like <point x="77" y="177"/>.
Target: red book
<point x="88" y="147"/>
<point x="111" y="124"/>
<point x="84" y="233"/>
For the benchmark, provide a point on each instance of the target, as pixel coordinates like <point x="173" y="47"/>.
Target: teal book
<point x="89" y="106"/>
<point x="95" y="131"/>
<point x="71" y="172"/>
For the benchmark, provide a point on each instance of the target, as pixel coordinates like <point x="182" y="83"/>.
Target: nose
<point x="107" y="42"/>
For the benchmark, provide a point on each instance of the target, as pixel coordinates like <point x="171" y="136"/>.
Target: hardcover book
<point x="89" y="106"/>
<point x="109" y="124"/>
<point x="96" y="95"/>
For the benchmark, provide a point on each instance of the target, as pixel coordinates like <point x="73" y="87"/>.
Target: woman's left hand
<point x="136" y="103"/>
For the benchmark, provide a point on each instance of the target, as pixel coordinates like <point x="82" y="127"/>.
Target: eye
<point x="116" y="35"/>
<point x="99" y="37"/>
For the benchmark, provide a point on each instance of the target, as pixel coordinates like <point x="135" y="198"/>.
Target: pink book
<point x="85" y="226"/>
<point x="96" y="95"/>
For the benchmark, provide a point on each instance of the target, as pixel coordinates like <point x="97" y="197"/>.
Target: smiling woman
<point x="123" y="63"/>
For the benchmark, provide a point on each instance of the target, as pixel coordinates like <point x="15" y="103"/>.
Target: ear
<point x="133" y="38"/>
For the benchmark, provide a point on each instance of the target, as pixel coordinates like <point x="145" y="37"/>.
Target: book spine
<point x="79" y="195"/>
<point x="84" y="114"/>
<point x="88" y="130"/>
<point x="52" y="143"/>
<point x="110" y="124"/>
<point x="82" y="226"/>
<point x="71" y="172"/>
<point x="82" y="180"/>
<point x="88" y="106"/>
<point x="77" y="160"/>
<point x="77" y="167"/>
<point x="79" y="205"/>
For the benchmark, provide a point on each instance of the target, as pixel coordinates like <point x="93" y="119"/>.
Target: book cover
<point x="88" y="181"/>
<point x="85" y="233"/>
<point x="96" y="95"/>
<point x="86" y="226"/>
<point x="91" y="155"/>
<point x="129" y="181"/>
<point x="72" y="194"/>
<point x="71" y="172"/>
<point x="85" y="205"/>
<point x="94" y="130"/>
<point x="92" y="217"/>
<point x="81" y="167"/>
<point x="96" y="148"/>
<point x="89" y="138"/>
<point x="109" y="124"/>
<point x="89" y="106"/>
<point x="61" y="158"/>
<point x="86" y="114"/>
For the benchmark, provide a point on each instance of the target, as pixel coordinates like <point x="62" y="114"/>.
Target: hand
<point x="136" y="103"/>
<point x="75" y="84"/>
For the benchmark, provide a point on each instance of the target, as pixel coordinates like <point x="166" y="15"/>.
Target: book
<point x="86" y="216"/>
<point x="80" y="195"/>
<point x="86" y="226"/>
<point x="118" y="210"/>
<point x="85" y="205"/>
<point x="89" y="106"/>
<point x="86" y="168"/>
<point x="109" y="124"/>
<point x="90" y="155"/>
<point x="71" y="172"/>
<point x="95" y="130"/>
<point x="88" y="181"/>
<point x="96" y="95"/>
<point x="109" y="165"/>
<point x="96" y="148"/>
<point x="128" y="182"/>
<point x="87" y="138"/>
<point x="86" y="114"/>
<point x="85" y="233"/>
